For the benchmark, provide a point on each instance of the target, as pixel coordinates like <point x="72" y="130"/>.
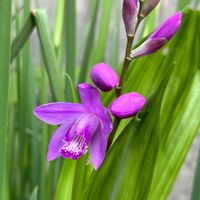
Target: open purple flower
<point x="81" y="124"/>
<point x="159" y="37"/>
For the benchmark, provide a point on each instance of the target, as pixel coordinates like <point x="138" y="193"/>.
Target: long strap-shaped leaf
<point x="70" y="15"/>
<point x="129" y="166"/>
<point x="179" y="119"/>
<point x="89" y="44"/>
<point x="22" y="37"/>
<point x="49" y="56"/>
<point x="5" y="33"/>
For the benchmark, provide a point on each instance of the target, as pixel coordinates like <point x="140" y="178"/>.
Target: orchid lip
<point x="74" y="148"/>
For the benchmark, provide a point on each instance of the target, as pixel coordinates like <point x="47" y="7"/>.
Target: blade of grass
<point x="48" y="52"/>
<point x="195" y="190"/>
<point x="25" y="116"/>
<point x="89" y="43"/>
<point x="58" y="28"/>
<point x="183" y="3"/>
<point x="70" y="18"/>
<point x="100" y="48"/>
<point x="34" y="194"/>
<point x="73" y="89"/>
<point x="5" y="34"/>
<point x="44" y="136"/>
<point x="65" y="183"/>
<point x="114" y="58"/>
<point x="22" y="37"/>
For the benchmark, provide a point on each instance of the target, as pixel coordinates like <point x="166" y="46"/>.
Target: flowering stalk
<point x="156" y="40"/>
<point x="127" y="61"/>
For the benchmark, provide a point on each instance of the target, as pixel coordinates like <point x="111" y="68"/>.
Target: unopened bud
<point x="159" y="37"/>
<point x="127" y="105"/>
<point x="148" y="6"/>
<point x="104" y="77"/>
<point x="130" y="15"/>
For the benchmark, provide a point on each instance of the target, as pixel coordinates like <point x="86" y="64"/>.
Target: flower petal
<point x="85" y="125"/>
<point x="169" y="27"/>
<point x="148" y="47"/>
<point x="77" y="139"/>
<point x="58" y="113"/>
<point x="99" y="141"/>
<point x="98" y="147"/>
<point x="56" y="141"/>
<point x="89" y="96"/>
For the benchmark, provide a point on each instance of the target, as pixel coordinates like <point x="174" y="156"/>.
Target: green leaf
<point x="195" y="190"/>
<point x="70" y="23"/>
<point x="5" y="49"/>
<point x="89" y="44"/>
<point x="182" y="4"/>
<point x="34" y="194"/>
<point x="100" y="47"/>
<point x="49" y="56"/>
<point x="129" y="166"/>
<point x="65" y="184"/>
<point x="134" y="168"/>
<point x="73" y="89"/>
<point x="59" y="17"/>
<point x="22" y="37"/>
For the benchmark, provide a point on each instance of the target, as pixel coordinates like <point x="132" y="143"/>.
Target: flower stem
<point x="118" y="89"/>
<point x="127" y="61"/>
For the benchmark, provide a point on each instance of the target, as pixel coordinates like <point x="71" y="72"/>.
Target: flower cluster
<point x="87" y="123"/>
<point x="159" y="37"/>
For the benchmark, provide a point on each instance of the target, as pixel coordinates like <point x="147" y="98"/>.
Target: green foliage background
<point x="147" y="154"/>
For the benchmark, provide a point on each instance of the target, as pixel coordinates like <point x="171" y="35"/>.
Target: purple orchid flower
<point x="159" y="38"/>
<point x="127" y="105"/>
<point x="81" y="125"/>
<point x="104" y="77"/>
<point x="130" y="15"/>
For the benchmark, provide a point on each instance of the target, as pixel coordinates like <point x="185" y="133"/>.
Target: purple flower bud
<point x="127" y="105"/>
<point x="159" y="37"/>
<point x="129" y="13"/>
<point x="104" y="77"/>
<point x="148" y="6"/>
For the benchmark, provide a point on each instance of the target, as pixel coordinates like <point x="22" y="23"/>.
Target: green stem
<point x="119" y="88"/>
<point x="127" y="61"/>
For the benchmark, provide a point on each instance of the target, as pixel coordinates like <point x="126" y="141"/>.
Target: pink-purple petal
<point x="159" y="37"/>
<point x="148" y="47"/>
<point x="89" y="96"/>
<point x="78" y="137"/>
<point x="58" y="112"/>
<point x="56" y="141"/>
<point x="98" y="148"/>
<point x="99" y="141"/>
<point x="168" y="28"/>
